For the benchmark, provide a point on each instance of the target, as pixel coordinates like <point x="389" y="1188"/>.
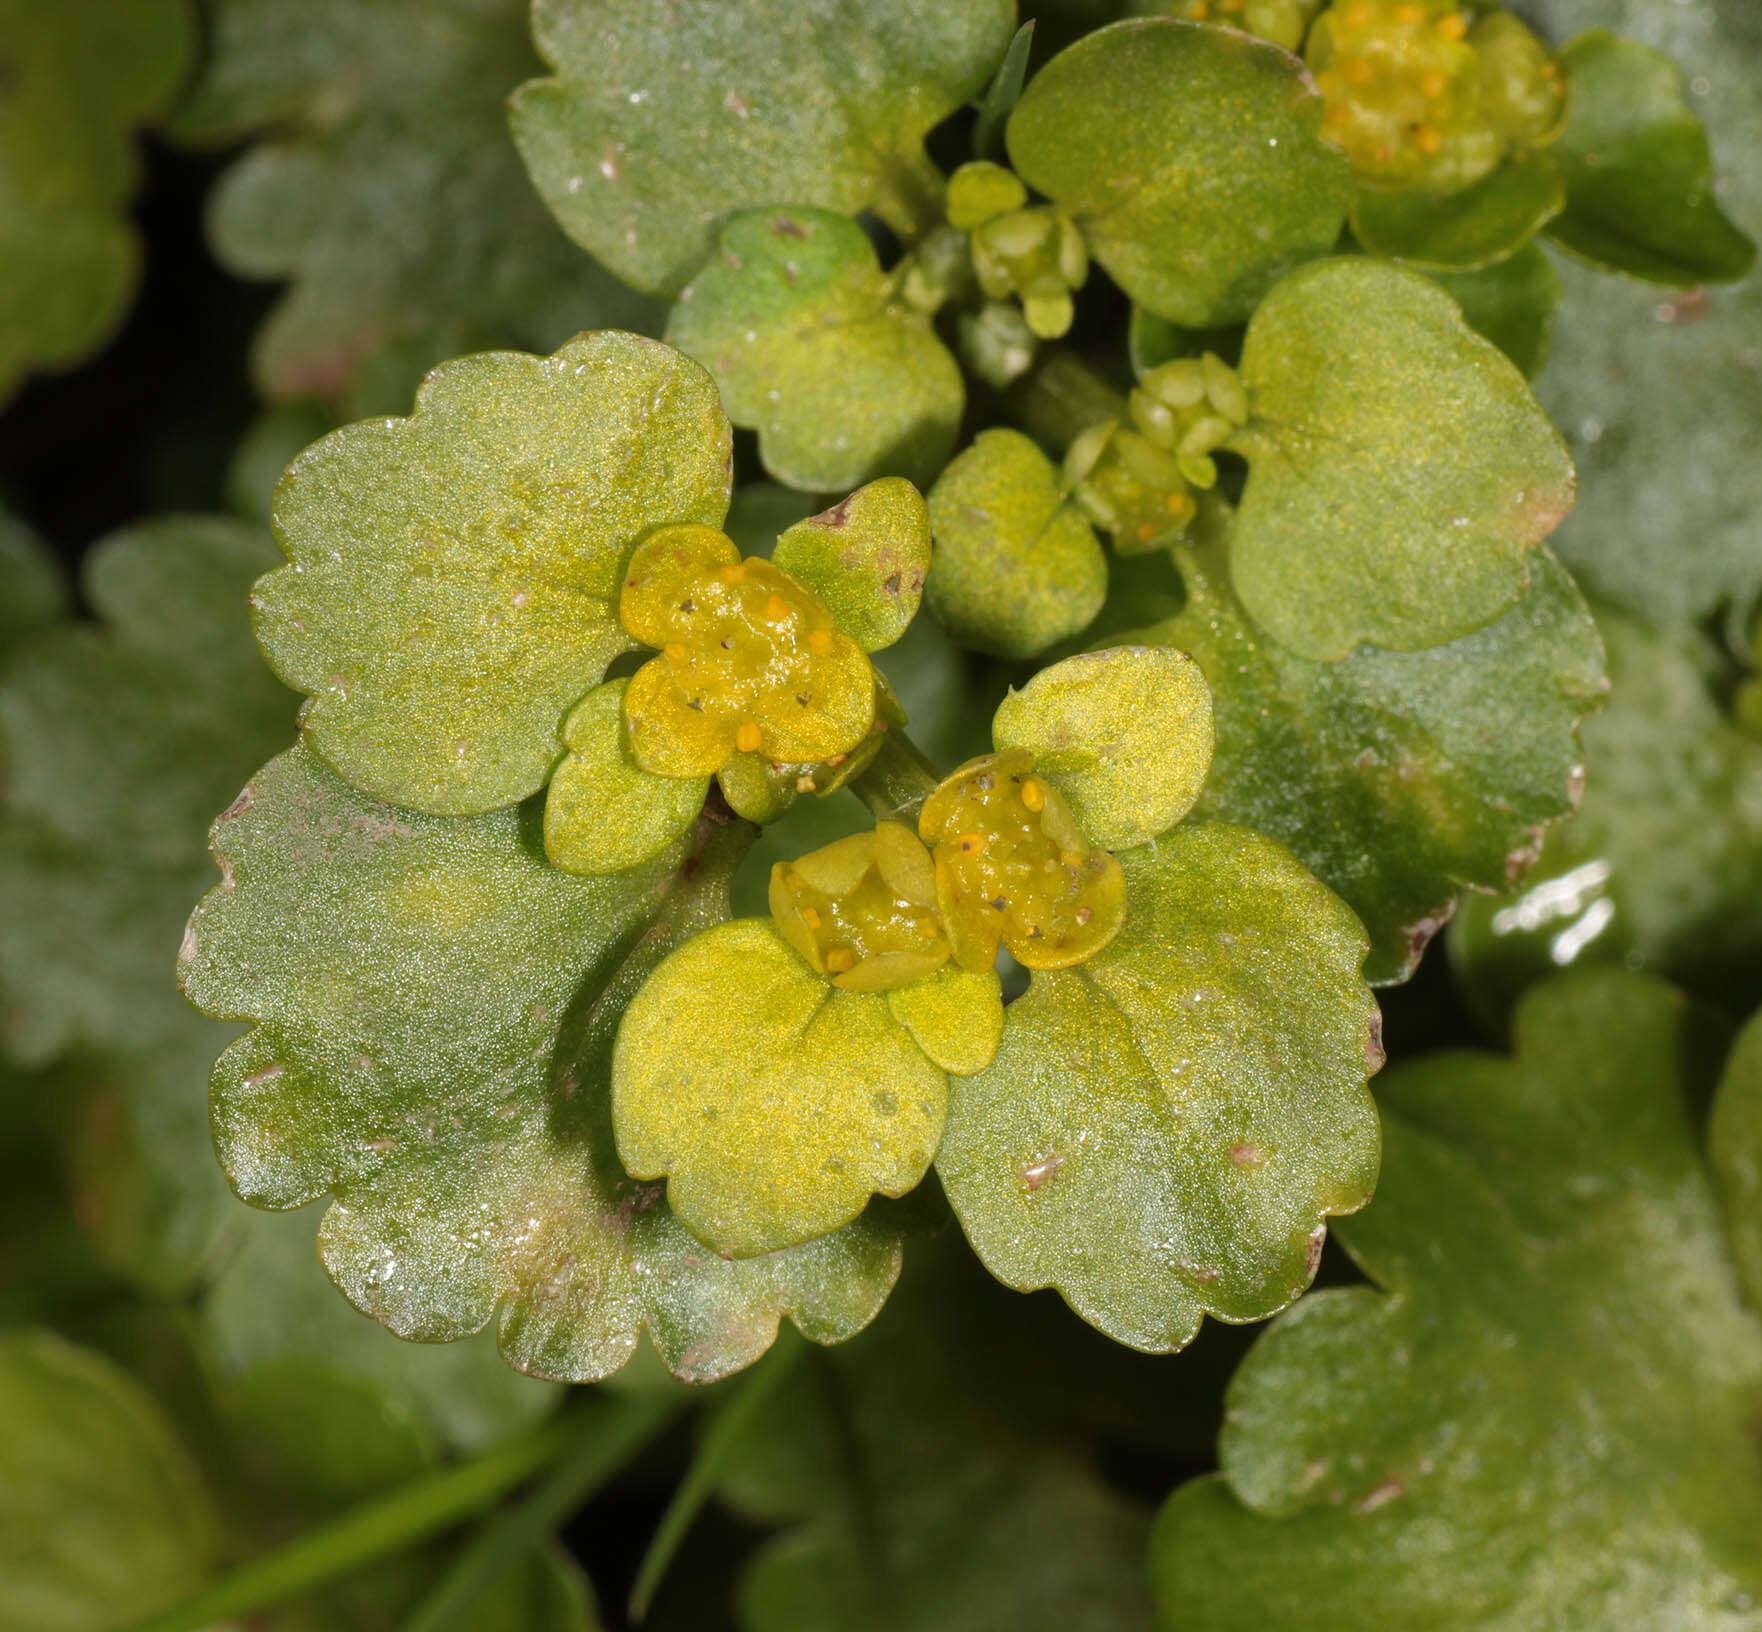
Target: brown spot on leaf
<point x="247" y="797"/>
<point x="1246" y="1155"/>
<point x="1384" y="1493"/>
<point x="1036" y="1174"/>
<point x="1520" y="860"/>
<point x="1375" y="1056"/>
<point x="1312" y="1250"/>
<point x="1420" y="933"/>
<point x="1689" y="307"/>
<point x="786" y="226"/>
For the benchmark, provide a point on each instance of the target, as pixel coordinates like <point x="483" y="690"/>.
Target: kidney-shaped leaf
<point x="1397" y="777"/>
<point x="434" y="1007"/>
<point x="454" y="576"/>
<point x="662" y="119"/>
<point x="1542" y="1417"/>
<point x="103" y="1517"/>
<point x="1166" y="1126"/>
<point x="795" y="320"/>
<point x="1401" y="471"/>
<point x="1191" y="157"/>
<point x="1639" y="174"/>
<point x="865" y="558"/>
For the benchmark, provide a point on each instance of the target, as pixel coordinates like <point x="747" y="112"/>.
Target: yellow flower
<point x="1012" y="865"/>
<point x="862" y="911"/>
<point x="750" y="661"/>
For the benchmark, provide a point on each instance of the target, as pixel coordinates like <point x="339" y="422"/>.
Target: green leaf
<point x="796" y="321"/>
<point x="603" y="811"/>
<point x="1166" y="1126"/>
<point x="954" y="1015"/>
<point x="313" y="1384"/>
<point x="1661" y="868"/>
<point x="434" y="1006"/>
<point x="865" y="558"/>
<point x="1005" y="92"/>
<point x="1512" y="304"/>
<point x="1461" y="232"/>
<point x="384" y="188"/>
<point x="1639" y="172"/>
<point x="1397" y="778"/>
<point x="1734" y="1142"/>
<point x="1016" y="568"/>
<point x="103" y="1517"/>
<point x="454" y="576"/>
<point x="1124" y="734"/>
<point x="1659" y="395"/>
<point x="660" y="122"/>
<point x="1541" y="1415"/>
<point x="120" y="739"/>
<point x="80" y="77"/>
<point x="916" y="1504"/>
<point x="32" y="594"/>
<point x="1192" y="159"/>
<point x="1401" y="472"/>
<point x="772" y="1102"/>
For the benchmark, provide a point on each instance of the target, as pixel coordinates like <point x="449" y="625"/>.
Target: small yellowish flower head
<point x="862" y="911"/>
<point x="750" y="661"/>
<point x="1013" y="866"/>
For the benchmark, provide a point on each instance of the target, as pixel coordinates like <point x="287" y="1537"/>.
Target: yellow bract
<point x="750" y="661"/>
<point x="1012" y="866"/>
<point x="862" y="911"/>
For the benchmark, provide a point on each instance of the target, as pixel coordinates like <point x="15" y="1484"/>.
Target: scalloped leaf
<point x="1192" y="159"/>
<point x="866" y="558"/>
<point x="81" y="75"/>
<point x="1661" y="868"/>
<point x="659" y="122"/>
<point x="889" y="1449"/>
<point x="801" y="330"/>
<point x="103" y="1517"/>
<point x="365" y="119"/>
<point x="434" y="1006"/>
<point x="1167" y="1125"/>
<point x="1639" y="172"/>
<point x="1660" y="395"/>
<point x="1553" y="1348"/>
<point x="1401" y="472"/>
<point x="772" y="1103"/>
<point x="1397" y="778"/>
<point x="1015" y="568"/>
<point x="1465" y="231"/>
<point x="1734" y="1144"/>
<point x="1125" y="734"/>
<point x="454" y="576"/>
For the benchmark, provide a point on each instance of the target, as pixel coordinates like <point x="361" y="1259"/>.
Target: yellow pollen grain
<point x="810" y="917"/>
<point x="973" y="844"/>
<point x="777" y="610"/>
<point x="746" y="737"/>
<point x="1357" y="71"/>
<point x="1433" y="83"/>
<point x="1200" y="11"/>
<point x="841" y="960"/>
<point x="735" y="574"/>
<point x="820" y="643"/>
<point x="1453" y="27"/>
<point x="675" y="652"/>
<point x="1033" y="795"/>
<point x="1427" y="140"/>
<point x="1146" y="532"/>
<point x="1178" y="504"/>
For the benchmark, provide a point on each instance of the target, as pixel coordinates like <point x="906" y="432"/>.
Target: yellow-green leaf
<point x="865" y="558"/>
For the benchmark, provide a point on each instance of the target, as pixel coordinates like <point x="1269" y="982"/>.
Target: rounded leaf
<point x="1401" y="472"/>
<point x="434" y="1007"/>
<point x="1192" y="159"/>
<point x="794" y="318"/>
<point x="954" y="1015"/>
<point x="454" y="576"/>
<point x="603" y="811"/>
<point x="661" y="121"/>
<point x="1165" y="1129"/>
<point x="1459" y="232"/>
<point x="865" y="558"/>
<point x="773" y="1103"/>
<point x="1124" y="734"/>
<point x="1512" y="303"/>
<point x="1015" y="567"/>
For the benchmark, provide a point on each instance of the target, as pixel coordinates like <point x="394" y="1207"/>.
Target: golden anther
<point x="927" y="928"/>
<point x="746" y="737"/>
<point x="1200" y="11"/>
<point x="804" y="784"/>
<point x="841" y="960"/>
<point x="810" y="917"/>
<point x="820" y="642"/>
<point x="733" y="574"/>
<point x="1178" y="504"/>
<point x="675" y="652"/>
<point x="1453" y="27"/>
<point x="1433" y="83"/>
<point x="1145" y="532"/>
<point x="1410" y="16"/>
<point x="1427" y="140"/>
<point x="1358" y="16"/>
<point x="777" y="610"/>
<point x="1033" y="795"/>
<point x="1071" y="858"/>
<point x="1357" y="71"/>
<point x="973" y="844"/>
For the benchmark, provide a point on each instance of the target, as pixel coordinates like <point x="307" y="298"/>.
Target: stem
<point x="911" y="200"/>
<point x="422" y="1508"/>
<point x="611" y="1432"/>
<point x="897" y="780"/>
<point x="1060" y="397"/>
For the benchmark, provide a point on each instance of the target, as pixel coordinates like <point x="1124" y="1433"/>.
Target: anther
<point x="733" y="574"/>
<point x="810" y="917"/>
<point x="1033" y="795"/>
<point x="973" y="844"/>
<point x="675" y="652"/>
<point x="820" y="642"/>
<point x="1452" y="27"/>
<point x="841" y="960"/>
<point x="746" y="737"/>
<point x="1427" y="140"/>
<point x="777" y="610"/>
